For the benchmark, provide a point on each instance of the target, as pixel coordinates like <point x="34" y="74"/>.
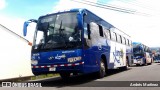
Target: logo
<point x="118" y="55"/>
<point x="35" y="56"/>
<point x="6" y="84"/>
<point x="121" y="53"/>
<point x="60" y="57"/>
<point x="51" y="58"/>
<point x="14" y="84"/>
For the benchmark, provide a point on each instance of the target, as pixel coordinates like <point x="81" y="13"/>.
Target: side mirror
<point x="25" y="25"/>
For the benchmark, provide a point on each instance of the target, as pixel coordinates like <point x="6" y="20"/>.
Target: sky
<point x="143" y="26"/>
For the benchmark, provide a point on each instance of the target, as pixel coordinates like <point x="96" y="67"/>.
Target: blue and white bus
<point x="77" y="41"/>
<point x="156" y="58"/>
<point x="142" y="54"/>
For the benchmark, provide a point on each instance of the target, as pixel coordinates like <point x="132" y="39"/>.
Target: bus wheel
<point x="65" y="75"/>
<point x="102" y="71"/>
<point x="137" y="64"/>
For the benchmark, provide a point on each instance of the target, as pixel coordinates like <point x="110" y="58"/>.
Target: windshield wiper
<point x="62" y="34"/>
<point x="60" y="28"/>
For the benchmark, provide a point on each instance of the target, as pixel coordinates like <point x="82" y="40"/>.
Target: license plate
<point x="52" y="69"/>
<point x="139" y="61"/>
<point x="135" y="61"/>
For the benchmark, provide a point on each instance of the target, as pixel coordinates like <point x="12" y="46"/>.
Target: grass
<point x="43" y="76"/>
<point x="21" y="79"/>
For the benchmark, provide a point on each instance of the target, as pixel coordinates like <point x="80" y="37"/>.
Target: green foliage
<point x="43" y="76"/>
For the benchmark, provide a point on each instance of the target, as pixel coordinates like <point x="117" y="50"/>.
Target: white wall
<point x="14" y="56"/>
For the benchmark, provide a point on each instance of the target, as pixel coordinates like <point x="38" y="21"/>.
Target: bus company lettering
<point x="118" y="53"/>
<point x="60" y="57"/>
<point x="73" y="59"/>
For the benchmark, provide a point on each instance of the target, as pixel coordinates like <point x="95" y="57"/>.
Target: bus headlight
<point x="34" y="62"/>
<point x="73" y="59"/>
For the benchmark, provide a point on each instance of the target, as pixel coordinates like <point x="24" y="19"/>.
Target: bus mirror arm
<point x="33" y="20"/>
<point x="25" y="25"/>
<point x="84" y="13"/>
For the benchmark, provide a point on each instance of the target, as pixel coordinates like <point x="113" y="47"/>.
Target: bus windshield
<point x="137" y="51"/>
<point x="57" y="31"/>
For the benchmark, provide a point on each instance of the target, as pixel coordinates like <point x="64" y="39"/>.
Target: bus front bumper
<point x="76" y="67"/>
<point x="138" y="61"/>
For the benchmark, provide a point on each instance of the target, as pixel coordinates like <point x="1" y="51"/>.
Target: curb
<point x="17" y="79"/>
<point x="28" y="78"/>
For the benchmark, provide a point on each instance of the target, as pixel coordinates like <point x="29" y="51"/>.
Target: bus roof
<point x="136" y="44"/>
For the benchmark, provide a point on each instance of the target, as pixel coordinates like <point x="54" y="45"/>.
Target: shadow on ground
<point x="75" y="81"/>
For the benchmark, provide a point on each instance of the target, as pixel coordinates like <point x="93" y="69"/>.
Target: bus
<point x="157" y="58"/>
<point x="77" y="41"/>
<point x="142" y="54"/>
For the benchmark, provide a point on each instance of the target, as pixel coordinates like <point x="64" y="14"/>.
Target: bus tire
<point x="137" y="64"/>
<point x="65" y="75"/>
<point x="102" y="72"/>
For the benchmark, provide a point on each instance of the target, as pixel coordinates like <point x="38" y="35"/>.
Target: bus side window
<point x="87" y="31"/>
<point x="113" y="36"/>
<point x="106" y="33"/>
<point x="130" y="43"/>
<point x="119" y="39"/>
<point x="100" y="30"/>
<point x="40" y="37"/>
<point x="94" y="28"/>
<point x="127" y="42"/>
<point x="109" y="34"/>
<point x="124" y="40"/>
<point x="87" y="36"/>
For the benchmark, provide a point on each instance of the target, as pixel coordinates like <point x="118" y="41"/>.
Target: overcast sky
<point x="143" y="26"/>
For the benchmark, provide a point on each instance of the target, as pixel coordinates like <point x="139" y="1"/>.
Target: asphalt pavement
<point x="135" y="78"/>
